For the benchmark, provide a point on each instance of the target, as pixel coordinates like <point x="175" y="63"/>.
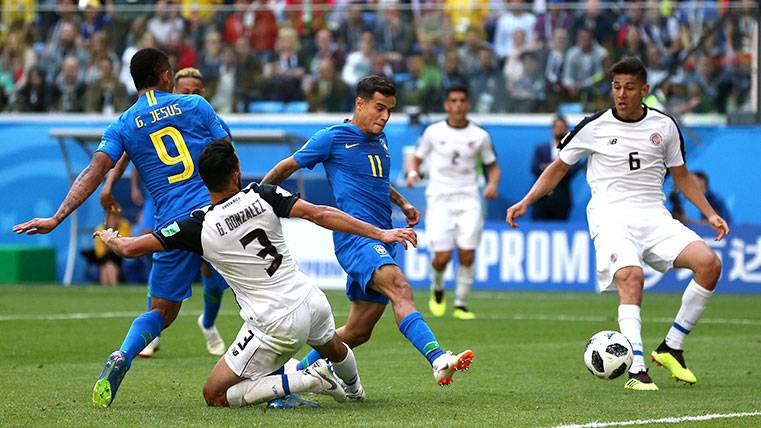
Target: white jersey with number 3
<point x="628" y="161"/>
<point x="452" y="155"/>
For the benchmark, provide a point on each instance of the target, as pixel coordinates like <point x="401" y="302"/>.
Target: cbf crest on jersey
<point x="385" y="147"/>
<point x="380" y="249"/>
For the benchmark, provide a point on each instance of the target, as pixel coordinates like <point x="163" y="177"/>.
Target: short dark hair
<point x="146" y="67"/>
<point x="630" y="65"/>
<point x="369" y="85"/>
<point x="216" y="163"/>
<point x="458" y="88"/>
<point x="559" y="118"/>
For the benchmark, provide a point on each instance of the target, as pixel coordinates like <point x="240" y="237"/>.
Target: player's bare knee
<point x="466" y="258"/>
<point x="708" y="271"/>
<point x="630" y="282"/>
<point x="356" y="335"/>
<point x="441" y="260"/>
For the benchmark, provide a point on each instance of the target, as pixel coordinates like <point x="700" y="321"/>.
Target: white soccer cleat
<point x="446" y="365"/>
<point x="214" y="343"/>
<point x="327" y="382"/>
<point x="150" y="349"/>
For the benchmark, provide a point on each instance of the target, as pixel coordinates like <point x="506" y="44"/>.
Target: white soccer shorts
<point x="653" y="239"/>
<point x="260" y="350"/>
<point x="453" y="221"/>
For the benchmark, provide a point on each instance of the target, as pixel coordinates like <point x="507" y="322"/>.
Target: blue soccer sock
<point x="144" y="329"/>
<point x="212" y="300"/>
<point x="414" y="328"/>
<point x="307" y="361"/>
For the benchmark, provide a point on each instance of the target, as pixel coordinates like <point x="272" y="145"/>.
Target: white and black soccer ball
<point x="608" y="354"/>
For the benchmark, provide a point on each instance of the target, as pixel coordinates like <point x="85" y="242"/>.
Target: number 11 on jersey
<point x="375" y="160"/>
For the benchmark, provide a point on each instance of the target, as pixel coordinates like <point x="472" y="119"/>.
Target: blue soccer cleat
<point x="104" y="391"/>
<point x="291" y="401"/>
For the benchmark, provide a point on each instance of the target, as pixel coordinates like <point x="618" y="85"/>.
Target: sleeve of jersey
<point x="281" y="200"/>
<point x="225" y="127"/>
<point x="212" y="120"/>
<point x="111" y="143"/>
<point x="576" y="144"/>
<point x="675" y="148"/>
<point x="315" y="150"/>
<point x="424" y="145"/>
<point x="181" y="235"/>
<point x="488" y="155"/>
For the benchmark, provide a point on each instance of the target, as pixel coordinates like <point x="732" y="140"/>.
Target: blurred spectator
<point x="352" y="28"/>
<point x="34" y="95"/>
<point x="423" y="88"/>
<point x="555" y="64"/>
<point x="99" y="50"/>
<point x="701" y="91"/>
<point x="325" y="48"/>
<point x="94" y="20"/>
<point x="598" y="21"/>
<point x="451" y="75"/>
<point x="184" y="51"/>
<point x="697" y="15"/>
<point x="488" y="91"/>
<point x="69" y="88"/>
<point x="527" y="93"/>
<point x="165" y="20"/>
<point x="557" y="204"/>
<point x="67" y="45"/>
<point x="106" y="94"/>
<point x="306" y="16"/>
<point x="223" y="91"/>
<point x="465" y="14"/>
<point x="553" y="19"/>
<point x="432" y="25"/>
<point x="199" y="12"/>
<point x="663" y="32"/>
<point x="284" y="72"/>
<point x="109" y="264"/>
<point x="257" y="23"/>
<point x="583" y="64"/>
<point x="516" y="18"/>
<point x="632" y="45"/>
<point x="16" y="57"/>
<point x="470" y="51"/>
<point x="358" y="63"/>
<point x="210" y="58"/>
<point x="513" y="69"/>
<point x="248" y="75"/>
<point x="716" y="201"/>
<point x="327" y="92"/>
<point x="394" y="36"/>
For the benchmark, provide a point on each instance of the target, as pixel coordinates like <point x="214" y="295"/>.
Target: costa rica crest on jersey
<point x="656" y="139"/>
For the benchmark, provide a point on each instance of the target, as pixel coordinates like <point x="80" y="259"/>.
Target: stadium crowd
<point x="298" y="55"/>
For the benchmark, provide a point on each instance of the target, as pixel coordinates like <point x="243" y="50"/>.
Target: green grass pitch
<point x="528" y="369"/>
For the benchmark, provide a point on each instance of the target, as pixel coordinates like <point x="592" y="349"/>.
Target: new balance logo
<point x="613" y="141"/>
<point x="348" y="146"/>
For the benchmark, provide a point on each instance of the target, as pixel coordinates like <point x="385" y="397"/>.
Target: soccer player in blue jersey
<point x="187" y="81"/>
<point x="163" y="134"/>
<point x="357" y="163"/>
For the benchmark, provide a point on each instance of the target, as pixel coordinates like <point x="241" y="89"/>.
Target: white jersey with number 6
<point x="628" y="161"/>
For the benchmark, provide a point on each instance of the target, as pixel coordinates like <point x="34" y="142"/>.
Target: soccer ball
<point x="608" y="354"/>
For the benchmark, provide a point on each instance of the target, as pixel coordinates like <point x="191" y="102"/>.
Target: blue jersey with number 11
<point x="164" y="134"/>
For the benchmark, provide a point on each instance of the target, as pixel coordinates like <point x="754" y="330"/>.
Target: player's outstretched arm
<point x="543" y="185"/>
<point x="86" y="183"/>
<point x="129" y="246"/>
<point x="107" y="200"/>
<point x="687" y="185"/>
<point x="337" y="220"/>
<point x="281" y="171"/>
<point x="409" y="210"/>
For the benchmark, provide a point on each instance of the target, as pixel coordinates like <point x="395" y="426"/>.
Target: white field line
<point x="671" y="420"/>
<point x="340" y="315"/>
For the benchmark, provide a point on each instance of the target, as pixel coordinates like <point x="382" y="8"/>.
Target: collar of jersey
<point x="356" y="130"/>
<point x="644" y="115"/>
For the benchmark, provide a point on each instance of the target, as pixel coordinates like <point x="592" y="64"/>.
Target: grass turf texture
<point x="528" y="369"/>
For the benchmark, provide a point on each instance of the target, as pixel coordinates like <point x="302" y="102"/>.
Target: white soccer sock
<point x="347" y="370"/>
<point x="464" y="283"/>
<point x="694" y="302"/>
<point x="437" y="279"/>
<point x="631" y="326"/>
<point x="255" y="391"/>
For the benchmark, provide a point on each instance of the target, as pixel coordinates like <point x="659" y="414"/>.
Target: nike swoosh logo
<point x="348" y="146"/>
<point x="333" y="384"/>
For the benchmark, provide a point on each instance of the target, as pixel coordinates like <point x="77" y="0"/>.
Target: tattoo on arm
<point x="84" y="185"/>
<point x="397" y="198"/>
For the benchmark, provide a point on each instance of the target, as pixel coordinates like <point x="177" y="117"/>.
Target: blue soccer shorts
<point x="173" y="273"/>
<point x="360" y="257"/>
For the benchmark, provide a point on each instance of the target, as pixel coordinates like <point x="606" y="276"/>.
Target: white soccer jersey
<point x="243" y="239"/>
<point x="452" y="155"/>
<point x="627" y="163"/>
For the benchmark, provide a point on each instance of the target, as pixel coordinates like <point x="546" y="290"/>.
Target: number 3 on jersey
<point x="377" y="170"/>
<point x="183" y="155"/>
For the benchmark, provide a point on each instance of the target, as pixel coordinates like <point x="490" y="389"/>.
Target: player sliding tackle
<point x="241" y="236"/>
<point x="630" y="147"/>
<point x="357" y="163"/>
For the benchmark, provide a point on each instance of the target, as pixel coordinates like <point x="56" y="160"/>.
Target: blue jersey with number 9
<point x="164" y="134"/>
